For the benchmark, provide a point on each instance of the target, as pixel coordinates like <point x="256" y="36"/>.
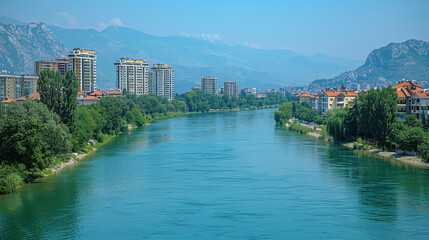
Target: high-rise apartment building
<point x="60" y="64"/>
<point x="64" y="64"/>
<point x="209" y="85"/>
<point x="161" y="81"/>
<point x="84" y="67"/>
<point x="132" y="76"/>
<point x="16" y="86"/>
<point x="231" y="89"/>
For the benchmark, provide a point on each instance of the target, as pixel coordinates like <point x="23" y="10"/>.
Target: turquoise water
<point x="225" y="175"/>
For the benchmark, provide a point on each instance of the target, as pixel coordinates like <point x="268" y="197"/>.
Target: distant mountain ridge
<point x="387" y="65"/>
<point x="21" y="45"/>
<point x="192" y="58"/>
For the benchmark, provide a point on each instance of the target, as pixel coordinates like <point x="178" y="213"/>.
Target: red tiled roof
<point x="96" y="93"/>
<point x="350" y="94"/>
<point x="332" y="94"/>
<point x="400" y="94"/>
<point x="80" y="93"/>
<point x="114" y="93"/>
<point x="35" y="96"/>
<point x="422" y="94"/>
<point x="306" y="95"/>
<point x="9" y="101"/>
<point x="404" y="84"/>
<point x="90" y="98"/>
<point x="20" y="99"/>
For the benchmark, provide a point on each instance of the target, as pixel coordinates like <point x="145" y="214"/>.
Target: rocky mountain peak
<point x="21" y="45"/>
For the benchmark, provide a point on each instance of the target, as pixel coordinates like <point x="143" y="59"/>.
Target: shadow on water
<point x="27" y="213"/>
<point x="381" y="183"/>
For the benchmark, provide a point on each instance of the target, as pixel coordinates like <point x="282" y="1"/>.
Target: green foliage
<point x="336" y="126"/>
<point x="410" y="138"/>
<point x="284" y="113"/>
<point x="49" y="86"/>
<point x="10" y="179"/>
<point x="372" y="116"/>
<point x="303" y="112"/>
<point x="69" y="100"/>
<point x="412" y="121"/>
<point x="299" y="128"/>
<point x="197" y="101"/>
<point x="424" y="148"/>
<point x="32" y="136"/>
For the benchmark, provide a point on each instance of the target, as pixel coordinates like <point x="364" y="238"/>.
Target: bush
<point x="424" y="150"/>
<point x="10" y="180"/>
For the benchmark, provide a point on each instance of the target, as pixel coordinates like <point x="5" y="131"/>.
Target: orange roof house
<point x="97" y="93"/>
<point x="9" y="101"/>
<point x="114" y="93"/>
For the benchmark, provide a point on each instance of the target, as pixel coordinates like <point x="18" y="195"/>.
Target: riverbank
<point x="414" y="160"/>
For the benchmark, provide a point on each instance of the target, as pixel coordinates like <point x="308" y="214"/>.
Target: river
<point x="223" y="175"/>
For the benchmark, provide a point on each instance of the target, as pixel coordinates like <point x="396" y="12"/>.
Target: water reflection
<point x="36" y="213"/>
<point x="380" y="182"/>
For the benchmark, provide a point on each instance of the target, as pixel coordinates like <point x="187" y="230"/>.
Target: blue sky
<point x="347" y="29"/>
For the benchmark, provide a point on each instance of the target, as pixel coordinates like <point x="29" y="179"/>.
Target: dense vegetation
<point x="373" y="118"/>
<point x="197" y="101"/>
<point x="36" y="136"/>
<point x="300" y="111"/>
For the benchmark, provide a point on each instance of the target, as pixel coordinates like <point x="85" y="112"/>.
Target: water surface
<point x="225" y="175"/>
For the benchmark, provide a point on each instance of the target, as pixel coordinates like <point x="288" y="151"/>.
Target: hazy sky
<point x="348" y="29"/>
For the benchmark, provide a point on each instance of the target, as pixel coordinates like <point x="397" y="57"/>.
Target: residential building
<point x="231" y="89"/>
<point x="84" y="64"/>
<point x="345" y="99"/>
<point x="304" y="97"/>
<point x="132" y="76"/>
<point x="294" y="89"/>
<point x="97" y="94"/>
<point x="249" y="91"/>
<point x="64" y="64"/>
<point x="60" y="64"/>
<point x="209" y="85"/>
<point x="45" y="64"/>
<point x="314" y="102"/>
<point x="405" y="90"/>
<point x="419" y="104"/>
<point x="329" y="100"/>
<point x="17" y="86"/>
<point x="161" y="81"/>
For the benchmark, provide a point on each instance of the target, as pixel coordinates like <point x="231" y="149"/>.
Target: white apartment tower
<point x="132" y="76"/>
<point x="84" y="67"/>
<point x="161" y="81"/>
<point x="209" y="85"/>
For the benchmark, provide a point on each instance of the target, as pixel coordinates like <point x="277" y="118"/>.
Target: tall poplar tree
<point x="49" y="86"/>
<point x="69" y="100"/>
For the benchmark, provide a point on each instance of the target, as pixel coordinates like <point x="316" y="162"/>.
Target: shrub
<point x="10" y="180"/>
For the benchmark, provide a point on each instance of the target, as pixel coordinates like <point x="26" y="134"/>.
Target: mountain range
<point x="192" y="58"/>
<point x="385" y="66"/>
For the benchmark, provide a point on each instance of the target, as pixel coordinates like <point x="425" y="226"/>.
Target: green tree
<point x="383" y="114"/>
<point x="49" y="86"/>
<point x="69" y="100"/>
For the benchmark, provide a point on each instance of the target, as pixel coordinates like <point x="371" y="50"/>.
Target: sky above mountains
<point x="347" y="29"/>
